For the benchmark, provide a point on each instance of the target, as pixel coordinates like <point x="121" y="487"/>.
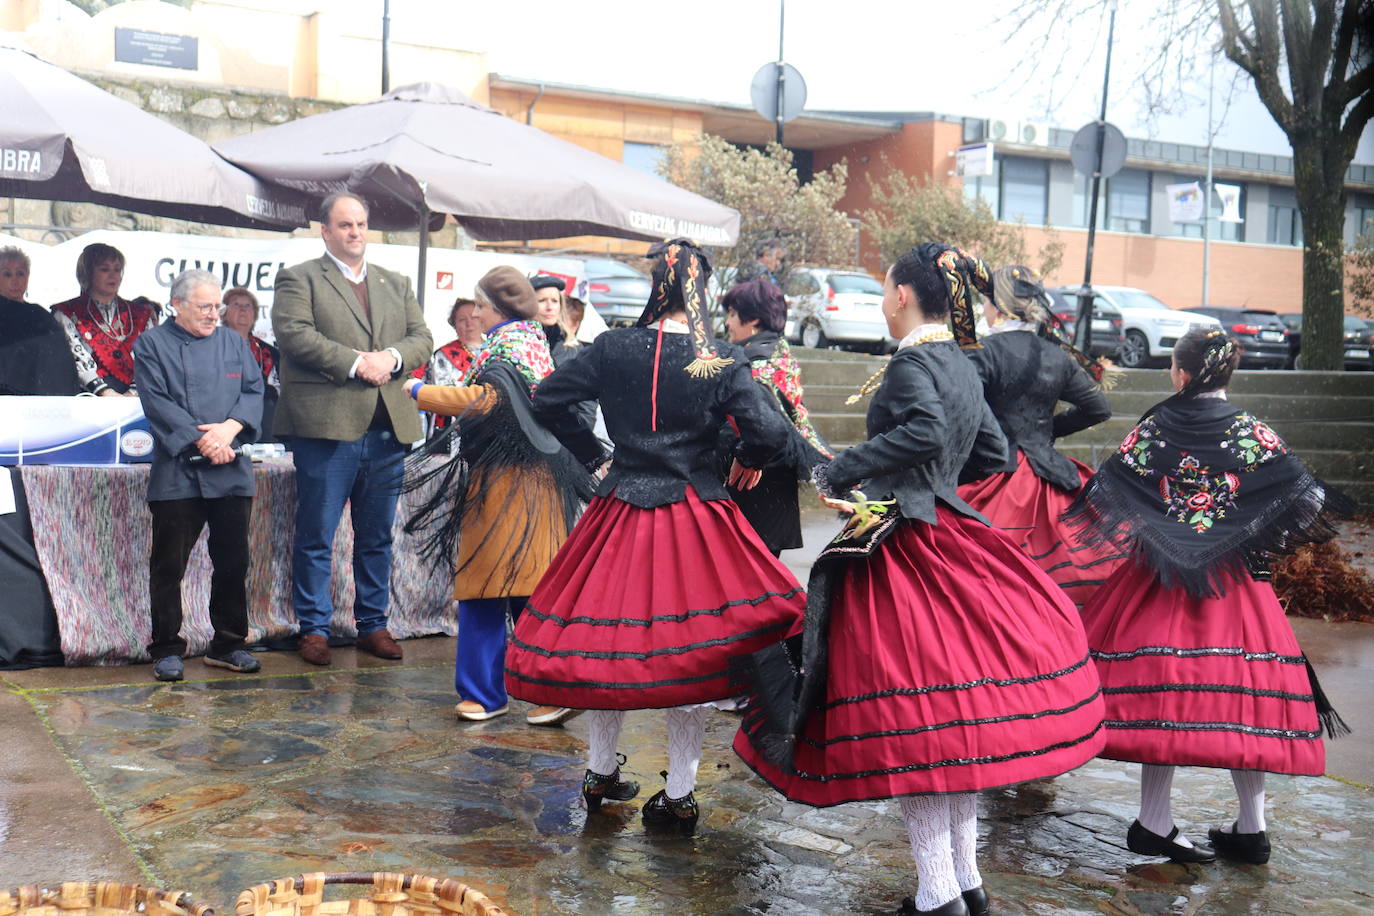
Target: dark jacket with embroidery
<point x="927" y="422"/>
<point x="1024" y="378"/>
<point x="654" y="467"/>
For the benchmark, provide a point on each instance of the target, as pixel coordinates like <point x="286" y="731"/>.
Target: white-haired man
<point x="202" y="394"/>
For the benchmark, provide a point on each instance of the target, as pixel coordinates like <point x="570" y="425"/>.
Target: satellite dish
<point x="763" y="91"/>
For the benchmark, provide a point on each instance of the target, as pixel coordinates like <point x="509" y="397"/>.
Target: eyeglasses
<point x="208" y="308"/>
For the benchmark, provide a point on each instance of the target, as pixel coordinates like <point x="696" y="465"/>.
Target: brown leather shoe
<point x="380" y="644"/>
<point x="314" y="648"/>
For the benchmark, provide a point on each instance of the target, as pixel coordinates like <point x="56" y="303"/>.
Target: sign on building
<point x="974" y="160"/>
<point x="155" y="49"/>
<point x="1185" y="202"/>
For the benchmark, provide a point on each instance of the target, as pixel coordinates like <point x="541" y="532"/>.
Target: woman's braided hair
<point x="1209" y="357"/>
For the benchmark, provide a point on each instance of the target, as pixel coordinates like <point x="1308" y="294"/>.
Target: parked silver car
<point x="837" y="307"/>
<point x="617" y="291"/>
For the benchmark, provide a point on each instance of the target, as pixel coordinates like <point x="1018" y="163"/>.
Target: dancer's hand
<point x="839" y="505"/>
<point x="743" y="478"/>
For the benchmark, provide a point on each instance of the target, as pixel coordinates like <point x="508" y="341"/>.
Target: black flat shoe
<point x="597" y="788"/>
<point x="977" y="901"/>
<point x="956" y="907"/>
<point x="679" y="813"/>
<point x="1240" y="847"/>
<point x="1148" y="843"/>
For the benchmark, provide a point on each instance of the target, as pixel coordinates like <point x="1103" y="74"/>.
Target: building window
<point x="1225" y="232"/>
<point x="1018" y="189"/>
<point x="1364" y="221"/>
<point x="1025" y="190"/>
<point x="1285" y="225"/>
<point x="644" y="157"/>
<point x="1123" y="204"/>
<point x="987" y="188"/>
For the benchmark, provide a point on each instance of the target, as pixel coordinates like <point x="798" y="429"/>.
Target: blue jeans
<point x="479" y="671"/>
<point x="366" y="473"/>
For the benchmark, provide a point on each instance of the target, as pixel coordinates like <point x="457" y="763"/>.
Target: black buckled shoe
<point x="1240" y="847"/>
<point x="1148" y="843"/>
<point x="956" y="907"/>
<point x="597" y="788"/>
<point x="680" y="813"/>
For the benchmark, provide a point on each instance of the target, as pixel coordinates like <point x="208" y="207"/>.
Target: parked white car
<point x="837" y="307"/>
<point x="1150" y="328"/>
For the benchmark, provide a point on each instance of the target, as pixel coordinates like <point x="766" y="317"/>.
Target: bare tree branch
<point x="1358" y="117"/>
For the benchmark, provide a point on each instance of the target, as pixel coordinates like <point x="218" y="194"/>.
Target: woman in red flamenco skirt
<point x="1199" y="666"/>
<point x="662" y="581"/>
<point x="1028" y="366"/>
<point x="935" y="658"/>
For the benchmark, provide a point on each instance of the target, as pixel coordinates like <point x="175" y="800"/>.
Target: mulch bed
<point x="1326" y="580"/>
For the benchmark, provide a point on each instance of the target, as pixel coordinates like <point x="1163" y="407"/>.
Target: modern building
<point x="1257" y="262"/>
<point x="312" y="55"/>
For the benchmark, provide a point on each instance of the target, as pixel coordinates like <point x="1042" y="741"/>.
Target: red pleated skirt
<point x="1029" y="509"/>
<point x="1215" y="682"/>
<point x="955" y="664"/>
<point x="643" y="608"/>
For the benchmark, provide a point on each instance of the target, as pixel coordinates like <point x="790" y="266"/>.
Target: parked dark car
<point x="617" y="291"/>
<point x="1107" y="334"/>
<point x="1358" y="337"/>
<point x="1261" y="334"/>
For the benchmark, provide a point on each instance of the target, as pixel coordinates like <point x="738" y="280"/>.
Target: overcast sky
<point x="913" y="55"/>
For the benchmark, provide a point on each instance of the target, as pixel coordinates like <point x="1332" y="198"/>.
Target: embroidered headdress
<point x="681" y="271"/>
<point x="1018" y="293"/>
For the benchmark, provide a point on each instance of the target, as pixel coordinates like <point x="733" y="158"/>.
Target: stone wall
<point x="211" y="114"/>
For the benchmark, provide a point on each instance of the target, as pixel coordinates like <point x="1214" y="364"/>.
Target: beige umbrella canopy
<point x="428" y="148"/>
<point x="62" y="138"/>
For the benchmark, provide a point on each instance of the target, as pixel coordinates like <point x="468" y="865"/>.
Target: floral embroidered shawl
<point x="781" y="374"/>
<point x="1203" y="493"/>
<point x="523" y="345"/>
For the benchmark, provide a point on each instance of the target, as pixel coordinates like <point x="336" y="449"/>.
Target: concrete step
<point x="1300" y="436"/>
<point x="1328" y="464"/>
<point x="1272" y="408"/>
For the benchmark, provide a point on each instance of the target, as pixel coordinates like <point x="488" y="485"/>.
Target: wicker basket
<point x="391" y="895"/>
<point x="98" y="898"/>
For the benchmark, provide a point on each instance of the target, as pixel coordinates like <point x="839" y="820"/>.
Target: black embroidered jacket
<point x="1024" y="378"/>
<point x="927" y="422"/>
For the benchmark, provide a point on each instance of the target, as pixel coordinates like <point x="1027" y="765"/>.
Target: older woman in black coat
<point x="755" y="313"/>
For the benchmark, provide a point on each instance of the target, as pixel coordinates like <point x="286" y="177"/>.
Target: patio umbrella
<point x="62" y="138"/>
<point x="429" y="149"/>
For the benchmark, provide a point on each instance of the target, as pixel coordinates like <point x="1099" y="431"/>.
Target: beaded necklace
<point x="115" y="321"/>
<point x="876" y="378"/>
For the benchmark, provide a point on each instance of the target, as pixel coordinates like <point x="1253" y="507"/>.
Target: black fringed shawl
<point x="1203" y="494"/>
<point x="496" y="438"/>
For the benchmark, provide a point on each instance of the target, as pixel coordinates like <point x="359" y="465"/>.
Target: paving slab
<point x="213" y="785"/>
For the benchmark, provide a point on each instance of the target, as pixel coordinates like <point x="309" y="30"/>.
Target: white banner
<point x="153" y="259"/>
<point x="975" y="160"/>
<point x="1229" y="194"/>
<point x="1185" y="202"/>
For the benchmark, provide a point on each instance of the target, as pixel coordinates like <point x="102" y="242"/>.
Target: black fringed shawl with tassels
<point x="1202" y="494"/>
<point x="498" y="436"/>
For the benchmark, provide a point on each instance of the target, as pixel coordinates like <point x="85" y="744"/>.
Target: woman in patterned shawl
<point x="1199" y="666"/>
<point x="511" y="490"/>
<point x="755" y="313"/>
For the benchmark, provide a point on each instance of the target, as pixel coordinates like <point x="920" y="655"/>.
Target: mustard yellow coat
<point x="516" y="529"/>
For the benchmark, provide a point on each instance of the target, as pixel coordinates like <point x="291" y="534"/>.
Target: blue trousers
<point x="479" y="671"/>
<point x="365" y="473"/>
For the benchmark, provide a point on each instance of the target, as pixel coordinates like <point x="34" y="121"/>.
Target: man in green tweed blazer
<point x="348" y="332"/>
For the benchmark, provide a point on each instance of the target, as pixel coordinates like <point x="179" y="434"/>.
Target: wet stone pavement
<point x="218" y="783"/>
<point x="225" y="781"/>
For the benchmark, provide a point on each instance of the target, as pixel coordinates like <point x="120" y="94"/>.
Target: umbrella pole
<point x="424" y="249"/>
